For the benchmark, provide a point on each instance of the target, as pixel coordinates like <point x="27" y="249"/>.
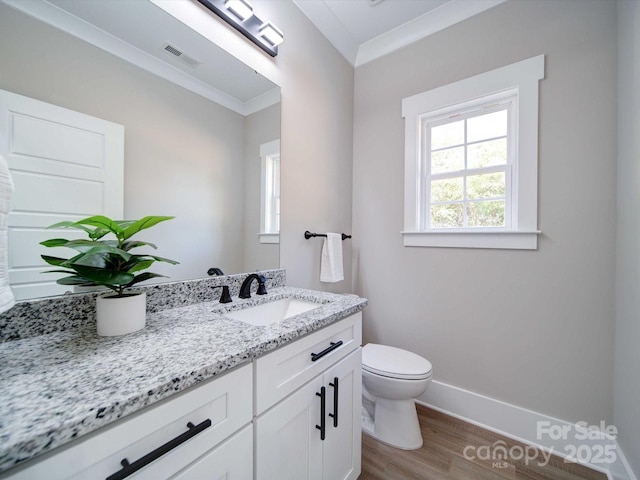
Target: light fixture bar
<point x="250" y="27"/>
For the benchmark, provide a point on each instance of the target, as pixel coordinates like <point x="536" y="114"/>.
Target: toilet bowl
<point x="391" y="380"/>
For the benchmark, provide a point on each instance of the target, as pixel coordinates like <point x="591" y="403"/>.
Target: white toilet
<point x="391" y="379"/>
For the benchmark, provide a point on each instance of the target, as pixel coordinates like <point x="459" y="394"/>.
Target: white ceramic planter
<point x="121" y="315"/>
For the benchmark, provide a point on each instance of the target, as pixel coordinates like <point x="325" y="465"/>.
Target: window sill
<point x="514" y="240"/>
<point x="269" y="237"/>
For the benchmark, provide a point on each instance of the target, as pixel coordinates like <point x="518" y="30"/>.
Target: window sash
<point x="443" y="117"/>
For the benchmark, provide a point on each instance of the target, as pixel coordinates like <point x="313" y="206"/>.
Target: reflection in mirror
<point x="270" y="194"/>
<point x="195" y="156"/>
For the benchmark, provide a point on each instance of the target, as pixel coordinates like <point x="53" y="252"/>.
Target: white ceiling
<point x="363" y="30"/>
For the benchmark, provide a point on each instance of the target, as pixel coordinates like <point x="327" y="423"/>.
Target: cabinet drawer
<point x="224" y="401"/>
<point x="281" y="372"/>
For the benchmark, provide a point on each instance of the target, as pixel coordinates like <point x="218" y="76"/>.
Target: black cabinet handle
<point x="131" y="468"/>
<point x="322" y="427"/>
<point x="332" y="346"/>
<point x="334" y="415"/>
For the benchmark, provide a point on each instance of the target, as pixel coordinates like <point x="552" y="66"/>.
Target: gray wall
<point x="259" y="128"/>
<point x="317" y="146"/>
<point x="532" y="328"/>
<point x="626" y="413"/>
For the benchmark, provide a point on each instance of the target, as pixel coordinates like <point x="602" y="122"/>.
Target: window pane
<point x="447" y="190"/>
<point x="448" y="160"/>
<point x="447" y="135"/>
<point x="485" y="214"/>
<point x="447" y="216"/>
<point x="488" y="185"/>
<point x="486" y="154"/>
<point x="490" y="125"/>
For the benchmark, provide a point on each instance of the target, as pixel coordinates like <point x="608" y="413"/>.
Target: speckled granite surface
<point x="59" y="386"/>
<point x="46" y="315"/>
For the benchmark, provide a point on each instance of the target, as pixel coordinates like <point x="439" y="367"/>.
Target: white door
<point x="65" y="166"/>
<point x="288" y="444"/>
<point x="341" y="459"/>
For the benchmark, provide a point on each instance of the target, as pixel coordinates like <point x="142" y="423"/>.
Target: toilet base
<point x="394" y="423"/>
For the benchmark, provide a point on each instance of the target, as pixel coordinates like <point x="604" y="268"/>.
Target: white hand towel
<point x="331" y="262"/>
<point x="6" y="192"/>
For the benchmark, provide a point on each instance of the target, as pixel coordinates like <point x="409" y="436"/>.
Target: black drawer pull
<point x="334" y="415"/>
<point x="322" y="426"/>
<point x="332" y="346"/>
<point x="131" y="468"/>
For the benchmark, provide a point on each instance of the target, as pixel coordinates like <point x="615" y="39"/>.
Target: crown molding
<point x="431" y="22"/>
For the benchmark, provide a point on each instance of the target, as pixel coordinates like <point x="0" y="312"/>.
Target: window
<point x="467" y="180"/>
<point x="270" y="192"/>
<point x="471" y="161"/>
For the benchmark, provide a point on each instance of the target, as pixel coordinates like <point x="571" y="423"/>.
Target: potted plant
<point x="103" y="260"/>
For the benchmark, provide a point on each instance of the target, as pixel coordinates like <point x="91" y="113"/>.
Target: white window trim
<point x="522" y="77"/>
<point x="266" y="149"/>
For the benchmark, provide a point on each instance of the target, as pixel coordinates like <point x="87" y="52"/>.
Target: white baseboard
<point x="593" y="448"/>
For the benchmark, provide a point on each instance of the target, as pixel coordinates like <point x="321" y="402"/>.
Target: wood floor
<point x="442" y="457"/>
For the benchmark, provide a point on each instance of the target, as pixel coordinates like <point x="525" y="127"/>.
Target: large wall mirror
<point x="194" y="125"/>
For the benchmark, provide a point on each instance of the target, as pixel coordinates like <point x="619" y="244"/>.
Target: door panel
<point x="341" y="454"/>
<point x="65" y="166"/>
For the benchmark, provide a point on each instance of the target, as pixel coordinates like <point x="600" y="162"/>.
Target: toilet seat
<point x="394" y="362"/>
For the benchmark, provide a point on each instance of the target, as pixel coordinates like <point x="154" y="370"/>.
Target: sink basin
<point x="272" y="312"/>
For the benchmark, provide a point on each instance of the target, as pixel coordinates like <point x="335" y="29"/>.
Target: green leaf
<point x="103" y="277"/>
<point x="102" y="222"/>
<point x="56" y="261"/>
<point x="89" y="260"/>
<point x="166" y="260"/>
<point x="143" y="277"/>
<point x="67" y="224"/>
<point x="139" y="265"/>
<point x="98" y="233"/>
<point x="55" y="242"/>
<point x="81" y="244"/>
<point x="142" y="224"/>
<point x="126" y="246"/>
<point x="74" y="280"/>
<point x="60" y="271"/>
<point x="87" y="247"/>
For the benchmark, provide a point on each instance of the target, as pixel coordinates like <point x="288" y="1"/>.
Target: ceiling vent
<point x="175" y="52"/>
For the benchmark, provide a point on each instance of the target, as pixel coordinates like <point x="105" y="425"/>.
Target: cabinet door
<point x="288" y="444"/>
<point x="341" y="456"/>
<point x="231" y="460"/>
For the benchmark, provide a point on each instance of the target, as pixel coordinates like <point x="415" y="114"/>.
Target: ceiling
<point x="363" y="30"/>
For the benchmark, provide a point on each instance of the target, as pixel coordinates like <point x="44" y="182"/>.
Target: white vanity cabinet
<point x="293" y="413"/>
<point x="314" y="432"/>
<point x="219" y="436"/>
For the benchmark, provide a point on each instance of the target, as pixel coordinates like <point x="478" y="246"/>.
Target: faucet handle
<point x="226" y="296"/>
<point x="262" y="290"/>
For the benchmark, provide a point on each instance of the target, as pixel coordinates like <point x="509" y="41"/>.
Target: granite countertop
<point x="57" y="387"/>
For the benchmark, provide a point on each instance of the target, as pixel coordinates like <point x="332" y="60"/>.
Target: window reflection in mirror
<point x="270" y="192"/>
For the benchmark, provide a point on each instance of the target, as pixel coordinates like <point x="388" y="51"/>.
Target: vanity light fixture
<point x="239" y="14"/>
<point x="272" y="34"/>
<point x="242" y="9"/>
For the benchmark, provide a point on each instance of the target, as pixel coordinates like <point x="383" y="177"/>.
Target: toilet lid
<point x="394" y="362"/>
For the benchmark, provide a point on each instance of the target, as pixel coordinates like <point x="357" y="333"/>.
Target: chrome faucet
<point x="245" y="288"/>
